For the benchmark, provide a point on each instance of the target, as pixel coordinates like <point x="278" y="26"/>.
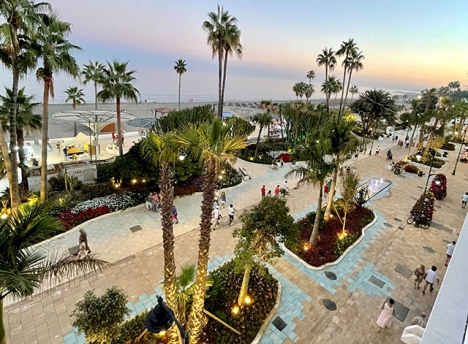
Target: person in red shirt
<point x="326" y="189"/>
<point x="277" y="190"/>
<point x="263" y="191"/>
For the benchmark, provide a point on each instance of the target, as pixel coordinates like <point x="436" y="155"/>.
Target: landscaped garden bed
<point x="332" y="241"/>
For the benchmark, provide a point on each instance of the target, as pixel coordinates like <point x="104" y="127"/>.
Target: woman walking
<point x="386" y="315"/>
<point x="223" y="200"/>
<point x="419" y="273"/>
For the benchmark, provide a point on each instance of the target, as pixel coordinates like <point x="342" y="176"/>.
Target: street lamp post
<point x="461" y="146"/>
<point x="161" y="318"/>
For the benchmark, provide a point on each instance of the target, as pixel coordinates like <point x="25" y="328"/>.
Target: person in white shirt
<point x="286" y="186"/>
<point x="231" y="214"/>
<point x="420" y="320"/>
<point x="449" y="252"/>
<point x="217" y="215"/>
<point x="430" y="278"/>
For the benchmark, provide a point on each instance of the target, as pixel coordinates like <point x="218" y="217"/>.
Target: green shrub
<point x="57" y="183"/>
<point x="342" y="244"/>
<point x="362" y="196"/>
<point x="105" y="171"/>
<point x="90" y="191"/>
<point x="364" y="221"/>
<point x="131" y="329"/>
<point x="231" y="177"/>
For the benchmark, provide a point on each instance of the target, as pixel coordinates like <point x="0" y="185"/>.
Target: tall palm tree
<point x="180" y="68"/>
<point x="355" y="65"/>
<point x="327" y="58"/>
<point x="18" y="53"/>
<point x="263" y="119"/>
<point x="214" y="145"/>
<point x="163" y="150"/>
<point x="56" y="55"/>
<point x="310" y="75"/>
<point x="217" y="27"/>
<point x="25" y="120"/>
<point x="117" y="84"/>
<point x="231" y="46"/>
<point x="297" y="89"/>
<point x="309" y="91"/>
<point x="24" y="269"/>
<point x="353" y="90"/>
<point x="93" y="71"/>
<point x="77" y="98"/>
<point x="346" y="49"/>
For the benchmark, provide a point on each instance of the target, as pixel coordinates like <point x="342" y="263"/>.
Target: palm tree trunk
<point x="75" y="131"/>
<point x="2" y="325"/>
<point x="220" y="77"/>
<point x="180" y="81"/>
<point x="245" y="285"/>
<point x="5" y="155"/>
<point x="14" y="188"/>
<point x="314" y="235"/>
<point x="95" y="95"/>
<point x="326" y="93"/>
<point x="224" y="77"/>
<point x="342" y="93"/>
<point x="258" y="141"/>
<point x="45" y="136"/>
<point x="195" y="321"/>
<point x="22" y="159"/>
<point x="170" y="287"/>
<point x="347" y="90"/>
<point x="332" y="191"/>
<point x="119" y="127"/>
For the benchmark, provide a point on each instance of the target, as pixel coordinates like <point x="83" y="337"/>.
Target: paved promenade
<point x="364" y="278"/>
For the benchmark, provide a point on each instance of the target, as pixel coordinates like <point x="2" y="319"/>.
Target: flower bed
<point x="114" y="202"/>
<point x="70" y="219"/>
<point x="330" y="247"/>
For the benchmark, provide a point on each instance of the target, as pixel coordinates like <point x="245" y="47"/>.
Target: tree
<point x="231" y="45"/>
<point x="25" y="119"/>
<point x="264" y="227"/>
<point x="354" y="65"/>
<point x="349" y="188"/>
<point x="93" y="71"/>
<point x="317" y="168"/>
<point x="309" y="91"/>
<point x="55" y="53"/>
<point x="328" y="59"/>
<point x="23" y="269"/>
<point x="213" y="144"/>
<point x="353" y="90"/>
<point x="163" y="150"/>
<point x="117" y="83"/>
<point x="218" y="26"/>
<point x="297" y="89"/>
<point x="99" y="318"/>
<point x="311" y="76"/>
<point x="270" y="108"/>
<point x="263" y="119"/>
<point x="77" y="98"/>
<point x="19" y="54"/>
<point x="347" y="49"/>
<point x="180" y="68"/>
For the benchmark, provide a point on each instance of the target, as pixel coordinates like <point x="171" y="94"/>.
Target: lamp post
<point x="432" y="152"/>
<point x="161" y="318"/>
<point x="461" y="146"/>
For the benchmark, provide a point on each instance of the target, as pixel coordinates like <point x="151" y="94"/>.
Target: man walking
<point x="430" y="278"/>
<point x="286" y="186"/>
<point x="84" y="240"/>
<point x="231" y="211"/>
<point x="277" y="191"/>
<point x="263" y="190"/>
<point x="217" y="216"/>
<point x="464" y="200"/>
<point x="449" y="252"/>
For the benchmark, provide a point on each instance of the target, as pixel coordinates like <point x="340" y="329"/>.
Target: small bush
<point x="105" y="171"/>
<point x="90" y="191"/>
<point x="342" y="244"/>
<point x="410" y="168"/>
<point x="449" y="146"/>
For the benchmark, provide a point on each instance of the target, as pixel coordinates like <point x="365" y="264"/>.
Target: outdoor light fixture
<point x="181" y="157"/>
<point x="4" y="216"/>
<point x="247" y="300"/>
<point x="134" y="181"/>
<point x="235" y="309"/>
<point x="418" y="156"/>
<point x="161" y="318"/>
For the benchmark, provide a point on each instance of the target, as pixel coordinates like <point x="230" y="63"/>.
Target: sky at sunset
<point x="408" y="45"/>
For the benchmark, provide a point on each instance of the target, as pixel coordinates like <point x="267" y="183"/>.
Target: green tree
<point x="23" y="268"/>
<point x="263" y="119"/>
<point x="347" y="49"/>
<point x="77" y="98"/>
<point x="269" y="107"/>
<point x="353" y="90"/>
<point x="219" y="25"/>
<point x="311" y="76"/>
<point x="297" y="89"/>
<point x="309" y="92"/>
<point x="56" y="55"/>
<point x="117" y="83"/>
<point x="93" y="72"/>
<point x="99" y="318"/>
<point x="264" y="227"/>
<point x="327" y="58"/>
<point x="349" y="188"/>
<point x="231" y="46"/>
<point x="18" y="53"/>
<point x="354" y="64"/>
<point x="213" y="144"/>
<point x="163" y="150"/>
<point x="180" y="68"/>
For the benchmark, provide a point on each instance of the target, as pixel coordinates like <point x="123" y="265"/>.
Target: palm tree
<point x="297" y="89"/>
<point x="213" y="144"/>
<point x="353" y="90"/>
<point x="336" y="86"/>
<point x="17" y="53"/>
<point x="355" y="64"/>
<point x="25" y="119"/>
<point x="217" y="27"/>
<point x="180" y="67"/>
<point x="56" y="57"/>
<point x="327" y="58"/>
<point x="310" y="75"/>
<point x="263" y="119"/>
<point x="302" y="89"/>
<point x="76" y="96"/>
<point x="93" y="71"/>
<point x="346" y="49"/>
<point x="231" y="45"/>
<point x="117" y="84"/>
<point x="163" y="150"/>
<point x="23" y="268"/>
<point x="309" y="91"/>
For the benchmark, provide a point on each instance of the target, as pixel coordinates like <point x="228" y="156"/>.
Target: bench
<point x="244" y="174"/>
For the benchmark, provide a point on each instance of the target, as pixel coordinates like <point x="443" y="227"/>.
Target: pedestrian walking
<point x="449" y="252"/>
<point x="217" y="216"/>
<point x="216" y="197"/>
<point x="386" y="315"/>
<point x="377" y="150"/>
<point x="175" y="217"/>
<point x="285" y="185"/>
<point x="326" y="190"/>
<point x="431" y="277"/>
<point x="277" y="191"/>
<point x="464" y="200"/>
<point x="155" y="202"/>
<point x="419" y="273"/>
<point x="231" y="211"/>
<point x="420" y="320"/>
<point x="84" y="240"/>
<point x="222" y="198"/>
<point x="407" y="142"/>
<point x="263" y="190"/>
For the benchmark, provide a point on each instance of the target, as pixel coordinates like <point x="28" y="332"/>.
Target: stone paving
<point x="365" y="277"/>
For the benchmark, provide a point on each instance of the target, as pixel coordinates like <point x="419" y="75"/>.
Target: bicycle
<point x="418" y="222"/>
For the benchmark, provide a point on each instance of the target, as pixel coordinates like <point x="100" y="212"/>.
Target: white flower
<point x="114" y="202"/>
